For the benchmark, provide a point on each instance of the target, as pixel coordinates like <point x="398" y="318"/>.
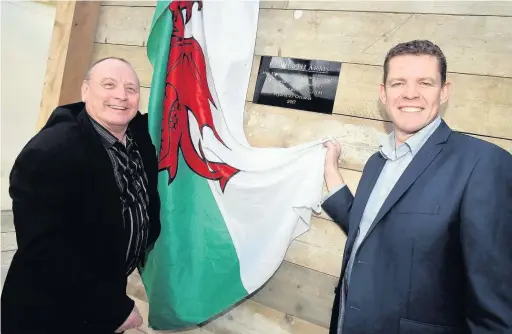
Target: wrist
<point x="333" y="179"/>
<point x="331" y="169"/>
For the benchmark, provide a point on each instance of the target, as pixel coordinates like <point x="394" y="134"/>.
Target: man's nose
<point x="411" y="91"/>
<point x="120" y="93"/>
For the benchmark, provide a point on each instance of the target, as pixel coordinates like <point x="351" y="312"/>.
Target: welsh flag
<point x="228" y="211"/>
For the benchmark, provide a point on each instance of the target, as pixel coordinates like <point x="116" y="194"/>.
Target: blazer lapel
<point x="417" y="166"/>
<point x="365" y="187"/>
<point x="371" y="173"/>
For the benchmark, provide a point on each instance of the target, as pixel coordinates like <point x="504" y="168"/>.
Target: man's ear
<point x="382" y="93"/>
<point x="445" y="92"/>
<point x="84" y="90"/>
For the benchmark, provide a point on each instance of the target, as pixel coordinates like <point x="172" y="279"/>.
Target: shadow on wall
<point x="24" y="52"/>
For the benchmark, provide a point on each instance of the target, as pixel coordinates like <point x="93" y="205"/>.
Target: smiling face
<point x="111" y="94"/>
<point x="413" y="93"/>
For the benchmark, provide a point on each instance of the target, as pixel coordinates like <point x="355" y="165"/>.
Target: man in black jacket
<point x="86" y="209"/>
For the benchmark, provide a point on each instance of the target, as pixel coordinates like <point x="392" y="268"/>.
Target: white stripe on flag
<point x="270" y="201"/>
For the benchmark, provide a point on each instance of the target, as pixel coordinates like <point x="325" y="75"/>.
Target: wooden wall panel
<point x="365" y="38"/>
<point x="320" y="249"/>
<point x="254" y="318"/>
<point x="300" y="291"/>
<point x="143" y="307"/>
<point x="124" y="25"/>
<point x="290" y="292"/>
<point x="498" y="8"/>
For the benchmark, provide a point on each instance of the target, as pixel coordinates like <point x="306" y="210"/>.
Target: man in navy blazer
<point x="429" y="232"/>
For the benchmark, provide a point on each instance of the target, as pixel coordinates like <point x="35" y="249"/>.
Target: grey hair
<point x="417" y="47"/>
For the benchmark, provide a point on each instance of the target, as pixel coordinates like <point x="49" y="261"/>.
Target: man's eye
<point x="396" y="84"/>
<point x="424" y="83"/>
<point x="108" y="85"/>
<point x="131" y="90"/>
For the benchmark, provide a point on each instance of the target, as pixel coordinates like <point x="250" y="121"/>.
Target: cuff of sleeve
<point x="333" y="191"/>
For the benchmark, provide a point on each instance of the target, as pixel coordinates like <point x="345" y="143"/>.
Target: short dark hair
<point x="417" y="47"/>
<point x="88" y="75"/>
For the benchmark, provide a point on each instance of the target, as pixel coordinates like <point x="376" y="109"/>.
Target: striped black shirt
<point x="133" y="184"/>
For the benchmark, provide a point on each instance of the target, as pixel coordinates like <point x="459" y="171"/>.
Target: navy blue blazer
<point x="438" y="257"/>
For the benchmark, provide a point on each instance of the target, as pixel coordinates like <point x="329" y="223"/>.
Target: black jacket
<point x="68" y="274"/>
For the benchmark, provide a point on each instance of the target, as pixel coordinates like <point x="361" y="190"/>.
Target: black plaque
<point x="297" y="83"/>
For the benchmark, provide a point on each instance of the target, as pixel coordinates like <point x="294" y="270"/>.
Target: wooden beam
<point x="70" y="54"/>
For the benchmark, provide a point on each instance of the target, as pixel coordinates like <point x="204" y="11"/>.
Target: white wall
<point x="26" y="36"/>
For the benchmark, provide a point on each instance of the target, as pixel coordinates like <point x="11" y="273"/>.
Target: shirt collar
<point x="107" y="138"/>
<point x="413" y="144"/>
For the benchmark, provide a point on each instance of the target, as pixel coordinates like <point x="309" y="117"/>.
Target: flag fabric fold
<point x="228" y="211"/>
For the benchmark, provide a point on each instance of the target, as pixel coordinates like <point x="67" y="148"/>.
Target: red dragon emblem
<point x="187" y="91"/>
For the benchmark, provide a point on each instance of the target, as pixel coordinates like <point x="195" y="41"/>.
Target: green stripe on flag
<point x="193" y="272"/>
<point x="158" y="53"/>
